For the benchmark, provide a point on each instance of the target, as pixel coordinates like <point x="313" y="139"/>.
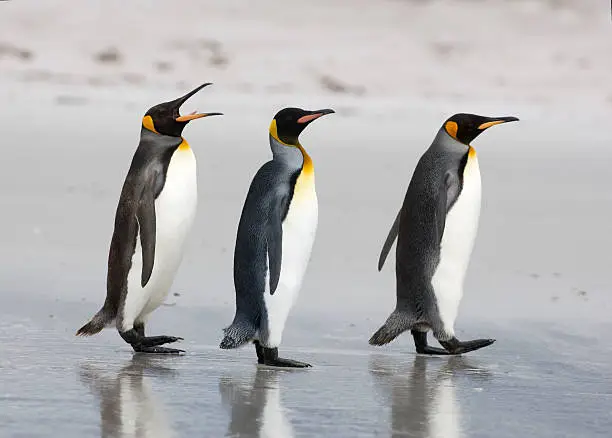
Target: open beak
<point x="194" y="115"/>
<point x="497" y="121"/>
<point x="314" y="115"/>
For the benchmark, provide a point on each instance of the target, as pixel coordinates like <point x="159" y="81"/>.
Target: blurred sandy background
<point x="76" y="77"/>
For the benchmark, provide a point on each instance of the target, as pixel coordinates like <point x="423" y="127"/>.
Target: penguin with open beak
<point x="155" y="214"/>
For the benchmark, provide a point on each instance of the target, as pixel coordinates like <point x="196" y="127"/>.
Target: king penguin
<point x="156" y="210"/>
<point x="435" y="230"/>
<point x="274" y="240"/>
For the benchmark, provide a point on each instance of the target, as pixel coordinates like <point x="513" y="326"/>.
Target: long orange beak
<point x="497" y="122"/>
<point x="195" y="115"/>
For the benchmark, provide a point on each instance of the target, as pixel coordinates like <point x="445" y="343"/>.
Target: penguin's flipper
<point x="440" y="213"/>
<point x="146" y="224"/>
<point x="448" y="194"/>
<point x="389" y="242"/>
<point x="274" y="240"/>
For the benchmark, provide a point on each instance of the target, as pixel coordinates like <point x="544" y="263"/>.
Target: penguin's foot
<point x="452" y="346"/>
<point x="286" y="363"/>
<point x="145" y="344"/>
<point x="156" y="350"/>
<point x="455" y="346"/>
<point x="152" y="344"/>
<point x="153" y="341"/>
<point x="420" y="342"/>
<point x="269" y="356"/>
<point x="433" y="351"/>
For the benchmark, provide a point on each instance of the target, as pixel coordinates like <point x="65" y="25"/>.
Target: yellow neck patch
<point x="307" y="167"/>
<point x="471" y="152"/>
<point x="451" y="129"/>
<point x="184" y="146"/>
<point x="304" y="188"/>
<point x="147" y="122"/>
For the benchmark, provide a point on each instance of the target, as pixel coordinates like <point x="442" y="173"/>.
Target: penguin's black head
<point x="466" y="127"/>
<point x="165" y="118"/>
<point x="289" y="123"/>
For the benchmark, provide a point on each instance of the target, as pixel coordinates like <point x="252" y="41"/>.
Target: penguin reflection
<point x="128" y="407"/>
<point x="423" y="406"/>
<point x="256" y="409"/>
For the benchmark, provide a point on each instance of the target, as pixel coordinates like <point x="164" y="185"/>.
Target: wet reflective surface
<point x="539" y="280"/>
<point x="535" y="381"/>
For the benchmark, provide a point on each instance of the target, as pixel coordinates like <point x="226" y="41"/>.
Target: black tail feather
<point x="397" y="323"/>
<point x="239" y="333"/>
<point x="97" y="323"/>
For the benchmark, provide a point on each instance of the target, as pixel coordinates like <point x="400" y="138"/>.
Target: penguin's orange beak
<point x="315" y="115"/>
<point x="497" y="122"/>
<point x="195" y="115"/>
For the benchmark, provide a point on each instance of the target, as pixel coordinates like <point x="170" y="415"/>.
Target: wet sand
<point x="535" y="381"/>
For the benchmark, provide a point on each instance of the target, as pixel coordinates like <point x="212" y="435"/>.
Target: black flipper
<point x="441" y="210"/>
<point x="389" y="242"/>
<point x="146" y="223"/>
<point x="274" y="240"/>
<point x="449" y="192"/>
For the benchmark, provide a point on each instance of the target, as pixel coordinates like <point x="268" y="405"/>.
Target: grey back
<point x="433" y="189"/>
<point x="274" y="180"/>
<point x="147" y="175"/>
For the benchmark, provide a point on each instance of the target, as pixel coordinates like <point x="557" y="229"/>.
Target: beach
<point x="75" y="81"/>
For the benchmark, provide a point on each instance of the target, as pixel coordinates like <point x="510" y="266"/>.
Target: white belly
<point x="175" y="209"/>
<point x="456" y="246"/>
<point x="299" y="229"/>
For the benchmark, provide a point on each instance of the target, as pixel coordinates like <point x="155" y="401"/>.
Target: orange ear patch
<point x="451" y="129"/>
<point x="147" y="122"/>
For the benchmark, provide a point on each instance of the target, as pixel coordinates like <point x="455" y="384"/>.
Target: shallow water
<point x="534" y="381"/>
